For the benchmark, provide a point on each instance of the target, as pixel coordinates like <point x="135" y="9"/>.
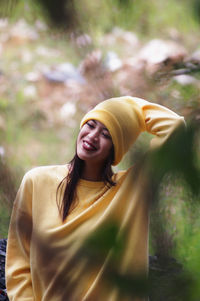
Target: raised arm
<point x="18" y="277"/>
<point x="159" y="120"/>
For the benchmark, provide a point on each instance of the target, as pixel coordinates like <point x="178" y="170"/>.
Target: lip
<point x="89" y="146"/>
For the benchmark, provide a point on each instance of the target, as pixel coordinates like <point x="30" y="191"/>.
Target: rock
<point x="55" y="76"/>
<point x="64" y="73"/>
<point x="47" y="52"/>
<point x="3" y="294"/>
<point x="68" y="110"/>
<point x="30" y="91"/>
<point x="118" y="35"/>
<point x="22" y="32"/>
<point x="112" y="61"/>
<point x="157" y="52"/>
<point x="2" y="151"/>
<point x="185" y="79"/>
<point x="33" y="76"/>
<point x="195" y="57"/>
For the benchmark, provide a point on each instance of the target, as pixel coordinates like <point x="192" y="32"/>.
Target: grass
<point x="148" y="19"/>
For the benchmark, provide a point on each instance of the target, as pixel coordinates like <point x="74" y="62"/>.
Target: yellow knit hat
<point x="123" y="118"/>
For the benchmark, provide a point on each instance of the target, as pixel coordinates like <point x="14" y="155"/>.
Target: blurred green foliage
<point x="144" y="17"/>
<point x="173" y="191"/>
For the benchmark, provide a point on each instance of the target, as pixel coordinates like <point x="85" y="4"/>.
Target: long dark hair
<point x="72" y="178"/>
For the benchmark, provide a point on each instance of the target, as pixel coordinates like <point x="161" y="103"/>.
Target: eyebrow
<point x="104" y="128"/>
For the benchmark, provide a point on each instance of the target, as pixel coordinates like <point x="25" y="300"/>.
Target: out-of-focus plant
<point x="168" y="279"/>
<point x="178" y="157"/>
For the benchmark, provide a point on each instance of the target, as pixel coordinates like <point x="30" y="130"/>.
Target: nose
<point x="94" y="134"/>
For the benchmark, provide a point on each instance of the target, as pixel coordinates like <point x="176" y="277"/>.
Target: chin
<point x="83" y="157"/>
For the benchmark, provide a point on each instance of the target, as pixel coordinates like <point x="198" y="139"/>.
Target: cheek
<point x="107" y="145"/>
<point x="78" y="141"/>
<point x="81" y="134"/>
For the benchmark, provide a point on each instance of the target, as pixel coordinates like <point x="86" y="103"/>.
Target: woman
<point x="58" y="208"/>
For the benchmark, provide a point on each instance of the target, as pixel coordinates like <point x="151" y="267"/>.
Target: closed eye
<point x="107" y="136"/>
<point x="90" y="125"/>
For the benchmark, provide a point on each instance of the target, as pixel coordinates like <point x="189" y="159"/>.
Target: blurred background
<point x="60" y="58"/>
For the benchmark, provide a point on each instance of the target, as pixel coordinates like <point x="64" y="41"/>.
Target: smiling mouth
<point x="88" y="146"/>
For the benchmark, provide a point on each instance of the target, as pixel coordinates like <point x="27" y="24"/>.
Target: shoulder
<point x="46" y="172"/>
<point x="119" y="175"/>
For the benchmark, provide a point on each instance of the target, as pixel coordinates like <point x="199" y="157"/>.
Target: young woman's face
<point x="94" y="142"/>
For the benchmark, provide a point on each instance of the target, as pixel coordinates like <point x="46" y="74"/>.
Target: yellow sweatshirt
<point x="46" y="259"/>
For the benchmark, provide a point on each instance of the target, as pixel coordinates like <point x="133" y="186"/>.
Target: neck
<point x="91" y="173"/>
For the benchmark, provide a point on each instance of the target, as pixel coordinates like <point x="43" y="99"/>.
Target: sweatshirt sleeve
<point x="18" y="276"/>
<point x="159" y="121"/>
